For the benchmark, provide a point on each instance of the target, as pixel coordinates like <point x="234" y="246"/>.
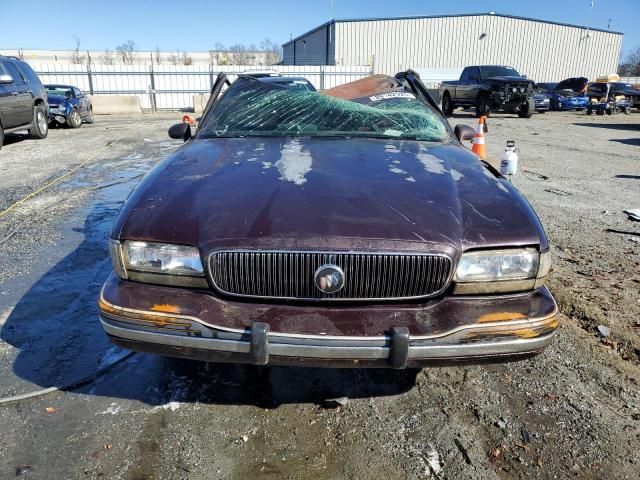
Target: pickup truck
<point x="489" y="88"/>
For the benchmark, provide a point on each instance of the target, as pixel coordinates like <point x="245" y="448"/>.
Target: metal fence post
<point x="152" y="89"/>
<point x="90" y="78"/>
<point x="321" y="77"/>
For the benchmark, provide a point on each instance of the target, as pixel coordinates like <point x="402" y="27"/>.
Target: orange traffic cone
<point x="478" y="147"/>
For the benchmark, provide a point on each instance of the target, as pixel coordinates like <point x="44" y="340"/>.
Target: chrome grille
<point x="290" y="275"/>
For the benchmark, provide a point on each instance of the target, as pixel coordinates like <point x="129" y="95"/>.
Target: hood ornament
<point x="329" y="278"/>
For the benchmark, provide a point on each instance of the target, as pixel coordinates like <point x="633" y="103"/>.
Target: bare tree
<point x="107" y="57"/>
<point x="186" y="59"/>
<point x="238" y="54"/>
<point x="273" y="51"/>
<point x="158" y="55"/>
<point x="218" y="56"/>
<point x="630" y="65"/>
<point x="174" y="59"/>
<point x="77" y="57"/>
<point x="127" y="51"/>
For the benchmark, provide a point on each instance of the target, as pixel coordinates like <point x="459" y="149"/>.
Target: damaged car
<point x="344" y="228"/>
<point x="569" y="94"/>
<point x="68" y="106"/>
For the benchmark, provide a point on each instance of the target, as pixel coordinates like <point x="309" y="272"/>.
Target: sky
<point x="197" y="25"/>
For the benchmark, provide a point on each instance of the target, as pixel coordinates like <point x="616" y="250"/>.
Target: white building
<point x="544" y="51"/>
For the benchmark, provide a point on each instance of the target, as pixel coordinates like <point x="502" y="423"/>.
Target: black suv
<point x="23" y="99"/>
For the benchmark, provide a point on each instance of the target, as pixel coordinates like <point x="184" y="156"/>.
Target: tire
<point x="40" y="128"/>
<point x="589" y="111"/>
<point x="526" y="109"/>
<point x="90" y="118"/>
<point x="74" y="120"/>
<point x="542" y="111"/>
<point x="447" y="105"/>
<point x="483" y="109"/>
<point x="1" y="136"/>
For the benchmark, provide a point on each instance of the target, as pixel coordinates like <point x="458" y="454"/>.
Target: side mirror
<point x="5" y="79"/>
<point x="464" y="132"/>
<point x="524" y="76"/>
<point x="180" y="131"/>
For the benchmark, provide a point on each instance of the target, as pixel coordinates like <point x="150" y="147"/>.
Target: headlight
<point x="514" y="89"/>
<point x="162" y="258"/>
<point x="522" y="89"/>
<point x="509" y="270"/>
<point x="135" y="259"/>
<point x="546" y="100"/>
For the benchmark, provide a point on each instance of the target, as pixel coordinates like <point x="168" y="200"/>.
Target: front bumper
<point x="57" y="115"/>
<point x="492" y="329"/>
<point x="572" y="104"/>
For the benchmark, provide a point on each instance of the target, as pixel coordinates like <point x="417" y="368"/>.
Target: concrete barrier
<point x="199" y="102"/>
<point x="114" y="104"/>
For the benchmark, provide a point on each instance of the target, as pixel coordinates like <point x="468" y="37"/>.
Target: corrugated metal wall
<point x="543" y="51"/>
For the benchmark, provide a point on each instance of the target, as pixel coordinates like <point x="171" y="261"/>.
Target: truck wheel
<point x="483" y="109"/>
<point x="447" y="105"/>
<point x="526" y="109"/>
<point x="40" y="127"/>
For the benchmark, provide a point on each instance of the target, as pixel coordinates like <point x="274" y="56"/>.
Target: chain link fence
<point x="169" y="87"/>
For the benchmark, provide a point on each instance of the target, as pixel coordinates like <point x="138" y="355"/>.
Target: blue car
<point x="68" y="105"/>
<point x="569" y="94"/>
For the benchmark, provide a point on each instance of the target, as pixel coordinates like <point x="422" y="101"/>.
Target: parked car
<point x="605" y="98"/>
<point x="489" y="88"/>
<point x="349" y="228"/>
<point x="542" y="102"/>
<point x="569" y="94"/>
<point x="68" y="105"/>
<point x="23" y="100"/>
<point x="629" y="91"/>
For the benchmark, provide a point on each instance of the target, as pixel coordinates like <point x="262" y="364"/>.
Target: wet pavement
<point x="149" y="417"/>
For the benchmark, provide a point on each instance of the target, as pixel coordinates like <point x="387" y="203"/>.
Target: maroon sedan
<point x="341" y="228"/>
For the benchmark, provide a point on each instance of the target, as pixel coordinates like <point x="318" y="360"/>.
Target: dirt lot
<point x="573" y="412"/>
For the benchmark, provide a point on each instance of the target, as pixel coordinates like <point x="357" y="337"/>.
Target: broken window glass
<point x="254" y="108"/>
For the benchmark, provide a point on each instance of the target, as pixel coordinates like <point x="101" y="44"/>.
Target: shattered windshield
<point x="255" y="108"/>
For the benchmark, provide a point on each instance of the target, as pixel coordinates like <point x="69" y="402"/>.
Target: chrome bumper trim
<point x="329" y="351"/>
<point x="285" y="337"/>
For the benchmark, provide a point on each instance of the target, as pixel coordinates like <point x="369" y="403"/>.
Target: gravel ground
<point x="572" y="412"/>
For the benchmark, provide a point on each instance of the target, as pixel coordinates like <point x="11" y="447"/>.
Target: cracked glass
<point x="254" y="108"/>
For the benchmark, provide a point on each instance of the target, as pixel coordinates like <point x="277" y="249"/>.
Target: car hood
<point x="507" y="79"/>
<point x="628" y="91"/>
<point x="326" y="193"/>
<point x="56" y="99"/>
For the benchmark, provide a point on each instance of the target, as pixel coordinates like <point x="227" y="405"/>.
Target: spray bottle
<point x="509" y="160"/>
